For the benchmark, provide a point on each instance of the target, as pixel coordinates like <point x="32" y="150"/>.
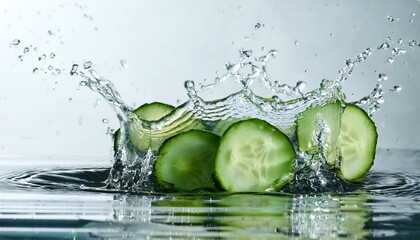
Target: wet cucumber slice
<point x="254" y="156"/>
<point x="153" y="111"/>
<point x="317" y="131"/>
<point x="186" y="161"/>
<point x="358" y="138"/>
<point x="149" y="112"/>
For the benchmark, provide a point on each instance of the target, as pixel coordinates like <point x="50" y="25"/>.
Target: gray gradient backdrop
<point x="165" y="43"/>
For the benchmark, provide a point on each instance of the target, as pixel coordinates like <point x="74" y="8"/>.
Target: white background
<point x="167" y="42"/>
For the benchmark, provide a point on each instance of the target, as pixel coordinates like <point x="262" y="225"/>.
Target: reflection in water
<point x="75" y="203"/>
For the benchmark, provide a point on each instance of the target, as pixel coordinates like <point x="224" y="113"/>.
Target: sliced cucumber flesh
<point x="318" y="129"/>
<point x="186" y="161"/>
<point x="358" y="138"/>
<point x="252" y="156"/>
<point x="149" y="112"/>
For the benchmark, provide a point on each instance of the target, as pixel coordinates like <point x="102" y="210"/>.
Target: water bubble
<point x="393" y="19"/>
<point x="296" y="43"/>
<point x="397" y="88"/>
<point x="87" y="65"/>
<point x="258" y="25"/>
<point x="35" y="70"/>
<point x="105" y="120"/>
<point x="16" y="42"/>
<point x="25" y="50"/>
<point x="73" y="70"/>
<point x="50" y="67"/>
<point x="52" y="55"/>
<point x="124" y="64"/>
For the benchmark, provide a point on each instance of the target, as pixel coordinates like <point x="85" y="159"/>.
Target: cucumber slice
<point x="317" y="131"/>
<point x="149" y="112"/>
<point x="153" y="111"/>
<point x="358" y="138"/>
<point x="186" y="161"/>
<point x="254" y="156"/>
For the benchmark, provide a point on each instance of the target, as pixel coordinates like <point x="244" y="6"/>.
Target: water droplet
<point x="25" y="50"/>
<point x="50" y="67"/>
<point x="390" y="60"/>
<point x="35" y="70"/>
<point x="258" y="25"/>
<point x="380" y="100"/>
<point x="42" y="57"/>
<point x="16" y="42"/>
<point x="57" y="70"/>
<point x="393" y="19"/>
<point x="105" y="120"/>
<point x="400" y="41"/>
<point x="52" y="55"/>
<point x="70" y="99"/>
<point x="263" y="48"/>
<point x="384" y="45"/>
<point x="190" y="87"/>
<point x="300" y="85"/>
<point x="124" y="64"/>
<point x="411" y="21"/>
<point x="331" y="34"/>
<point x="245" y="53"/>
<point x="87" y="65"/>
<point x="397" y="88"/>
<point x="382" y="77"/>
<point x="296" y="42"/>
<point x="413" y="43"/>
<point x="36" y="49"/>
<point x="51" y="33"/>
<point x="413" y="14"/>
<point x="20" y="57"/>
<point x="73" y="70"/>
<point x="398" y="51"/>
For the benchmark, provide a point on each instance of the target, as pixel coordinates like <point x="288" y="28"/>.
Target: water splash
<point x="133" y="166"/>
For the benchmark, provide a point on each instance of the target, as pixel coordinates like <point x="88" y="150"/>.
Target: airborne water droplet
<point x="25" y="50"/>
<point x="258" y="25"/>
<point x="105" y="120"/>
<point x="390" y="60"/>
<point x="52" y="55"/>
<point x="16" y="42"/>
<point x="87" y="65"/>
<point x="73" y="70"/>
<point x="397" y="88"/>
<point x="35" y="70"/>
<point x="382" y="77"/>
<point x="50" y="67"/>
<point x="124" y="64"/>
<point x="296" y="42"/>
<point x="70" y="99"/>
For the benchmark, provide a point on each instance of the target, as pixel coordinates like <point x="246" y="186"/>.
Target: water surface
<point x="71" y="201"/>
